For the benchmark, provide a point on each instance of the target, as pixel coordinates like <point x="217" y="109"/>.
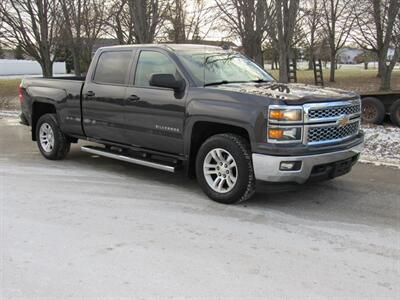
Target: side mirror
<point x="167" y="81"/>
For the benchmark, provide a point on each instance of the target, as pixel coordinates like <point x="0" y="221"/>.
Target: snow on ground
<point x="382" y="145"/>
<point x="9" y="113"/>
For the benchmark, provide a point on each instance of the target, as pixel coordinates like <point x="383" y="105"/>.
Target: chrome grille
<point x="335" y="111"/>
<point x="332" y="133"/>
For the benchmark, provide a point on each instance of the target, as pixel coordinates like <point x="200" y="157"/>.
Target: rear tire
<point x="395" y="112"/>
<point x="52" y="142"/>
<point x="373" y="111"/>
<point x="224" y="169"/>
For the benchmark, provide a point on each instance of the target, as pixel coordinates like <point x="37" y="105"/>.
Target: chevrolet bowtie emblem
<point x="343" y="120"/>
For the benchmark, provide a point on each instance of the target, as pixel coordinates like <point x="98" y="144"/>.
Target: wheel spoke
<point x="229" y="181"/>
<point x="210" y="166"/>
<point x="221" y="184"/>
<point x="210" y="172"/>
<point x="214" y="155"/>
<point x="216" y="181"/>
<point x="219" y="154"/>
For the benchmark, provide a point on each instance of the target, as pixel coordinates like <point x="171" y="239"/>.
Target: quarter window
<point x="112" y="67"/>
<point x="151" y="62"/>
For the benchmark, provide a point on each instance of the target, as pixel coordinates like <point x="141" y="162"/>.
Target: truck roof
<point x="171" y="47"/>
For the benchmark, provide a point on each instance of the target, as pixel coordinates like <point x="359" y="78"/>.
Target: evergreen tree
<point x="1" y="52"/>
<point x="18" y="52"/>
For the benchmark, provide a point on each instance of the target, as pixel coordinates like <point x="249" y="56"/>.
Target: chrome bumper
<point x="267" y="167"/>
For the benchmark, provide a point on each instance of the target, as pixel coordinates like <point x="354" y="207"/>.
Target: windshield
<point x="219" y="67"/>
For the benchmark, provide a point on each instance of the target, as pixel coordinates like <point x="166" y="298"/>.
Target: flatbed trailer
<point x="376" y="105"/>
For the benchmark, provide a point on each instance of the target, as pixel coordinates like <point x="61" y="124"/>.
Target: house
<point x="348" y="55"/>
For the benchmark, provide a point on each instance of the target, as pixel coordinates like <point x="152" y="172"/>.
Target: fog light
<point x="290" y="165"/>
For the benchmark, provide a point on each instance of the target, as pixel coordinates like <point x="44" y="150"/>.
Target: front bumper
<point x="267" y="167"/>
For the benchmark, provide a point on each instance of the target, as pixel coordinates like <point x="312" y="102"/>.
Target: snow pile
<point x="382" y="145"/>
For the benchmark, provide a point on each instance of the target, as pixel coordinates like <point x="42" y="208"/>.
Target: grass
<point x="9" y="94"/>
<point x="9" y="87"/>
<point x="348" y="78"/>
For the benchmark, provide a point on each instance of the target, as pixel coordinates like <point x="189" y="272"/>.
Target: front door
<point x="154" y="117"/>
<point x="103" y="96"/>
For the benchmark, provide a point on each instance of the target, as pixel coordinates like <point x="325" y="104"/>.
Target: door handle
<point x="133" y="98"/>
<point x="90" y="94"/>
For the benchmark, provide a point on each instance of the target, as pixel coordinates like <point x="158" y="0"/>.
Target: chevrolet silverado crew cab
<point x="210" y="111"/>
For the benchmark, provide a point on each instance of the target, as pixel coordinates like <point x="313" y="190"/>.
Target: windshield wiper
<point x="221" y="82"/>
<point x="260" y="80"/>
<point x="241" y="81"/>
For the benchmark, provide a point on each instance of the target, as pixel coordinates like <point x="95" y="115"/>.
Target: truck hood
<point x="290" y="93"/>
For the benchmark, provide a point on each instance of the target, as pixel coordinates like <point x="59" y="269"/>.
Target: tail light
<point x="20" y="94"/>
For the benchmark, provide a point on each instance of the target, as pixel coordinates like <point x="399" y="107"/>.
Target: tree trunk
<point x="365" y="65"/>
<point x="258" y="54"/>
<point x="77" y="63"/>
<point x="283" y="64"/>
<point x="47" y="68"/>
<point x="333" y="66"/>
<point x="252" y="48"/>
<point x="310" y="64"/>
<point x="386" y="76"/>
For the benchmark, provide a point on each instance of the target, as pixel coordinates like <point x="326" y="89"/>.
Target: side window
<point x="151" y="62"/>
<point x="112" y="67"/>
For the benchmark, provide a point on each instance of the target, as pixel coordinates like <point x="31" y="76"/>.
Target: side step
<point x="114" y="155"/>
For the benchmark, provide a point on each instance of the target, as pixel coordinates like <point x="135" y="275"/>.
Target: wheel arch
<point x="39" y="109"/>
<point x="201" y="130"/>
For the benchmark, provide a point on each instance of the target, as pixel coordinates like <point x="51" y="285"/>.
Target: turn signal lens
<point x="285" y="114"/>
<point x="275" y="134"/>
<point x="276" y="114"/>
<point x="284" y="134"/>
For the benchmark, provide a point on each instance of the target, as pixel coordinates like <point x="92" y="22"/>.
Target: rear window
<point x="112" y="67"/>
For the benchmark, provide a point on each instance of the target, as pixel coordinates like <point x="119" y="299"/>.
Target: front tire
<point x="224" y="168"/>
<point x="51" y="141"/>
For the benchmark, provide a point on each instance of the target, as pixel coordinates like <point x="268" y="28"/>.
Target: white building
<point x="27" y="67"/>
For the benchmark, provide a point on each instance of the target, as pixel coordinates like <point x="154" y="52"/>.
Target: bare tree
<point x="121" y="22"/>
<point x="147" y="16"/>
<point x="249" y="20"/>
<point x="189" y="20"/>
<point x="286" y="17"/>
<point x="176" y="15"/>
<point x="311" y="28"/>
<point x="34" y="26"/>
<point x="85" y="21"/>
<point x="378" y="29"/>
<point x="338" y="23"/>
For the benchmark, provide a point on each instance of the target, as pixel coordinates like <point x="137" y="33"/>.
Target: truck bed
<point x="62" y="92"/>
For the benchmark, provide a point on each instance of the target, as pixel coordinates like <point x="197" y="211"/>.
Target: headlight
<point x="285" y="114"/>
<point x="284" y="134"/>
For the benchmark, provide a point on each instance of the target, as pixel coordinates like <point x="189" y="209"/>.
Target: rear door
<point x="103" y="96"/>
<point x="154" y="116"/>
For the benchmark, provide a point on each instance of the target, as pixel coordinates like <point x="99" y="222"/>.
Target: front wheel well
<point x="38" y="110"/>
<point x="203" y="130"/>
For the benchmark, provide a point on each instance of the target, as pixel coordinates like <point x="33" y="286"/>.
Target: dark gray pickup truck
<point x="208" y="110"/>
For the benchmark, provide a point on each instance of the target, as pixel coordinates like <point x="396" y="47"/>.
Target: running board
<point x="110" y="154"/>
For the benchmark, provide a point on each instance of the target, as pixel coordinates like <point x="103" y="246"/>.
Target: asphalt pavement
<point x="92" y="227"/>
